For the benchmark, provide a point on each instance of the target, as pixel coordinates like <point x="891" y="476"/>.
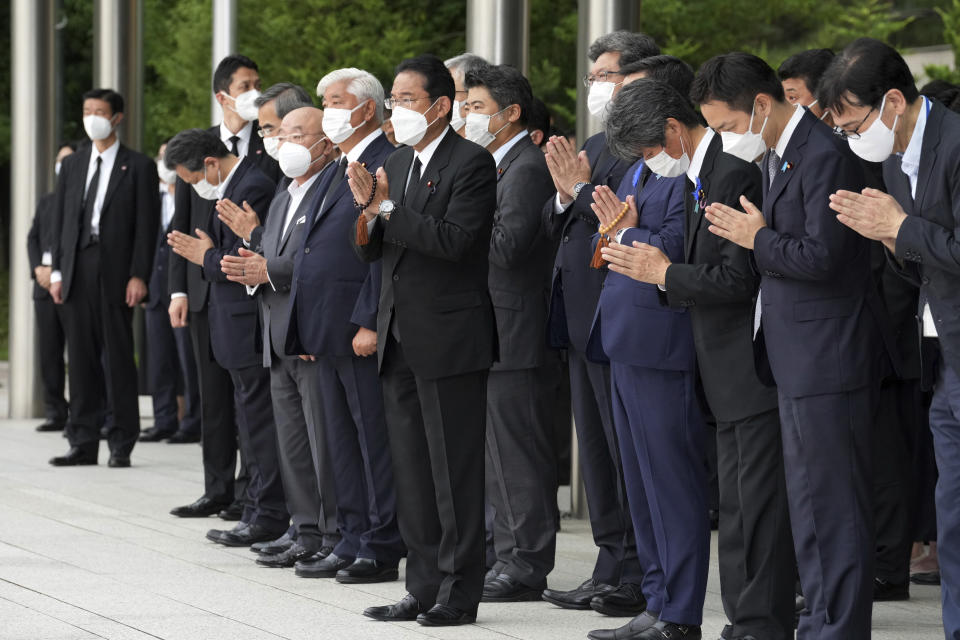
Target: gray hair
<point x="363" y="84"/>
<point x="463" y="64"/>
<point x="288" y="97"/>
<point x="637" y="117"/>
<point x="631" y="46"/>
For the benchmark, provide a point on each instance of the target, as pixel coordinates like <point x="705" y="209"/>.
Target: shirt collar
<point x="501" y="153"/>
<point x="222" y="187"/>
<point x="788" y="130"/>
<point x="109" y="154"/>
<point x="354" y="154"/>
<point x="243" y="134"/>
<point x="696" y="162"/>
<point x="910" y="163"/>
<point x="429" y="150"/>
<point x="294" y="187"/>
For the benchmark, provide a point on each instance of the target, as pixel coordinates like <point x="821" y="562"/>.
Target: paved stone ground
<point x="91" y="552"/>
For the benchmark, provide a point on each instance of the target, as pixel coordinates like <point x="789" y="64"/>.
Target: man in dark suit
<point x="717" y="284"/>
<point x="199" y="157"/>
<point x="919" y="143"/>
<point x="172" y="371"/>
<point x="822" y="324"/>
<point x="614" y="587"/>
<point x="235" y="79"/>
<point x="521" y="467"/>
<point x="429" y="218"/>
<point x="105" y="217"/>
<point x="51" y="333"/>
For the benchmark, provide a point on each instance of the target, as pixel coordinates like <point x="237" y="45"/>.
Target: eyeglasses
<point x="855" y="134"/>
<point x="406" y="103"/>
<point x="296" y="138"/>
<point x="267" y="131"/>
<point x="603" y="76"/>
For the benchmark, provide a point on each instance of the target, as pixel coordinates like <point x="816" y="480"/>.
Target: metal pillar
<point x="499" y="30"/>
<point x="31" y="168"/>
<point x="224" y="43"/>
<point x="118" y="60"/>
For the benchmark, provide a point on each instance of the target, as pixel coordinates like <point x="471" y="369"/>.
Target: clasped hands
<point x="567" y="167"/>
<point x="871" y="213"/>
<point x="361" y="184"/>
<point x="642" y="262"/>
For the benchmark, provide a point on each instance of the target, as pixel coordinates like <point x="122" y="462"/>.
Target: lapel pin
<point x="123" y="167"/>
<point x="786" y="167"/>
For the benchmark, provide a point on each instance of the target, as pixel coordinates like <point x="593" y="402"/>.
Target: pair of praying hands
<point x="642" y="262"/>
<point x="361" y="185"/>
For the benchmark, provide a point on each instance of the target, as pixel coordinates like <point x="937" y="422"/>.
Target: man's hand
<point x="136" y="291"/>
<point x="56" y="292"/>
<point x="365" y="342"/>
<point x="193" y="249"/>
<point x="308" y="358"/>
<point x="42" y="275"/>
<point x="566" y="166"/>
<point x="178" y="312"/>
<point x="608" y="206"/>
<point x="736" y="226"/>
<point x="241" y="221"/>
<point x="871" y="213"/>
<point x="361" y="182"/>
<point x="248" y="268"/>
<point x="642" y="262"/>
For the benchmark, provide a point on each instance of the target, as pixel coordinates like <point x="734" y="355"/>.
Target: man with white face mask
<point x="800" y="75"/>
<point x="105" y="223"/>
<point x="202" y="161"/>
<point x="521" y="469"/>
<point x="823" y="325"/>
<point x="878" y="109"/>
<point x="459" y="66"/>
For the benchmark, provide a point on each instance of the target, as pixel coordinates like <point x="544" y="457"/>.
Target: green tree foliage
<point x="951" y="33"/>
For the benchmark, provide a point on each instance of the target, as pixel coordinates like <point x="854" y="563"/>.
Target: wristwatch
<point x="577" y="188"/>
<point x="386" y="208"/>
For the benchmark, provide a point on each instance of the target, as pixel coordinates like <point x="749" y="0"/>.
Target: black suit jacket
<point x="435" y="260"/>
<point x="193" y="212"/>
<point x="159" y="296"/>
<point x="719" y="286"/>
<point x="928" y="248"/>
<point x="128" y="220"/>
<point x="521" y="257"/>
<point x="39" y="240"/>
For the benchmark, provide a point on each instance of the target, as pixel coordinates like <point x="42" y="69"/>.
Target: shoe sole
<point x="275" y="565"/>
<point x="618" y="612"/>
<point x="565" y="605"/>
<point x="311" y="574"/>
<point x="426" y="622"/>
<point x="390" y="618"/>
<point x="192" y="515"/>
<point x="928" y="579"/>
<point x="527" y="596"/>
<point x="390" y="576"/>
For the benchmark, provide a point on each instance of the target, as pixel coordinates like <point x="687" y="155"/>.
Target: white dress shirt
<point x="243" y="144"/>
<point x="699" y="155"/>
<point x="166" y="205"/>
<point x="354" y="154"/>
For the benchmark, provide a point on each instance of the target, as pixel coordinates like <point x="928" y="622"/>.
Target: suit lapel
<point x="898" y="186"/>
<point x="512" y="155"/>
<point x="928" y="152"/>
<point x="116" y="175"/>
<point x="692" y="199"/>
<point x="791" y="158"/>
<point x="430" y="176"/>
<point x="302" y="210"/>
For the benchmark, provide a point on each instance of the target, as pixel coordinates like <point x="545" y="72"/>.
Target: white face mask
<point x="336" y="123"/>
<point x="409" y="126"/>
<point x="243" y="104"/>
<point x="56" y="169"/>
<point x="478" y="128"/>
<point x="97" y="127"/>
<point x="206" y="190"/>
<point x="457" y="120"/>
<point x="663" y="164"/>
<point x="876" y="143"/>
<point x="271" y="146"/>
<point x="747" y="146"/>
<point x="600" y="95"/>
<point x="167" y="176"/>
<point x="295" y="159"/>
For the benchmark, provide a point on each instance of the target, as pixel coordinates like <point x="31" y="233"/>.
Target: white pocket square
<point x="302" y="220"/>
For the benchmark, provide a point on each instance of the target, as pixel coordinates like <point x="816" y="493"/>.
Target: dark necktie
<point x="234" y="149"/>
<point x="414" y="179"/>
<point x="88" y="203"/>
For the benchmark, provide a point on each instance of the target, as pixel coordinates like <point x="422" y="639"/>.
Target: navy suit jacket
<point x="823" y="322"/>
<point x="630" y="323"/>
<point x="333" y="291"/>
<point x="575" y="287"/>
<point x="234" y="334"/>
<point x="927" y="244"/>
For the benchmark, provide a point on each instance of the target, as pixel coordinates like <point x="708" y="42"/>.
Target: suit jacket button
<point x="566" y="238"/>
<point x="395" y="278"/>
<point x="306" y="250"/>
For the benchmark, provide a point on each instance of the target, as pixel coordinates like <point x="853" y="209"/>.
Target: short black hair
<point x="111" y="97"/>
<point x="506" y="85"/>
<point x="866" y="69"/>
<point x="539" y="119"/>
<point x="437" y="81"/>
<point x="946" y="93"/>
<point x="638" y="116"/>
<point x="669" y="69"/>
<point x="288" y="97"/>
<point x="223" y="76"/>
<point x="808" y="66"/>
<point x="735" y="78"/>
<point x="631" y="46"/>
<point x="189" y="147"/>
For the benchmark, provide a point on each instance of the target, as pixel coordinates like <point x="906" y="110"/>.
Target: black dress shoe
<point x="326" y="567"/>
<point x="204" y="507"/>
<point x="273" y="547"/>
<point x="629" y="631"/>
<point x="442" y="615"/>
<point x="625" y="600"/>
<point x="104" y="433"/>
<point x="714" y="517"/>
<point x="154" y="434"/>
<point x="233" y="512"/>
<point x="214" y="535"/>
<point x="247" y="536"/>
<point x="182" y="437"/>
<point x="505" y="588"/>
<point x="118" y="461"/>
<point x="491" y="574"/>
<point x="406" y="610"/>
<point x="286" y="558"/>
<point x="367" y="571"/>
<point x="73" y="458"/>
<point x="884" y="591"/>
<point x="578" y="598"/>
<point x="925" y="577"/>
<point x="670" y="631"/>
<point x="50" y="426"/>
